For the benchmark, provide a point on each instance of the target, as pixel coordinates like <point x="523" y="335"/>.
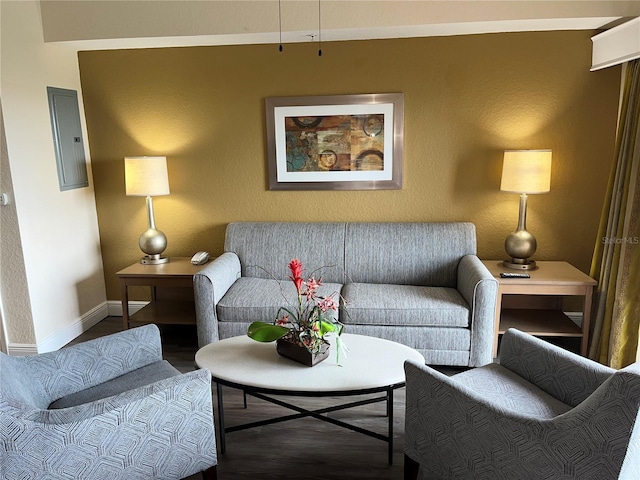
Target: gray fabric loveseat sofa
<point x="420" y="284"/>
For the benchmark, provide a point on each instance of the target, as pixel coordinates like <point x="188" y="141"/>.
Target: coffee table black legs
<point x="390" y="417"/>
<point x="221" y="428"/>
<point x="302" y="412"/>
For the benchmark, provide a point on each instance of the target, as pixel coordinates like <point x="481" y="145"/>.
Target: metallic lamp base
<point x="518" y="264"/>
<point x="153" y="260"/>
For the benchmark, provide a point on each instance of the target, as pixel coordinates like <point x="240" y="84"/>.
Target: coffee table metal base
<point x="264" y="394"/>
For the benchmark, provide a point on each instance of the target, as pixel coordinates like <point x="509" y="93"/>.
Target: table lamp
<point x="147" y="177"/>
<point x="524" y="172"/>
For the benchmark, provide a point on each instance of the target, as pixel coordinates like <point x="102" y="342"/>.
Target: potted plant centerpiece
<point x="301" y="330"/>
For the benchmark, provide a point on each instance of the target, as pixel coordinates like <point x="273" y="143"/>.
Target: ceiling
<point x="97" y="24"/>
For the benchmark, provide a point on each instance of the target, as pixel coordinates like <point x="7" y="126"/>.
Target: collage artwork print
<point x="335" y="143"/>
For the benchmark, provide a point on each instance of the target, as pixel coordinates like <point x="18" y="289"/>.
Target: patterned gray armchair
<point x="542" y="413"/>
<point x="109" y="408"/>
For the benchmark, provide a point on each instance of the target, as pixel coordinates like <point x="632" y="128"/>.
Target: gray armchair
<point x="542" y="413"/>
<point x="109" y="408"/>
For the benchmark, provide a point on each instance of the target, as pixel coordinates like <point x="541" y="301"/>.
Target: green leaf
<point x="326" y="327"/>
<point x="265" y="332"/>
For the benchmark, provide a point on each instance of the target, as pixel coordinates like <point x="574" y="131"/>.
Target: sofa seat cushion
<point x="141" y="377"/>
<point x="257" y="299"/>
<point x="404" y="305"/>
<point x="502" y="388"/>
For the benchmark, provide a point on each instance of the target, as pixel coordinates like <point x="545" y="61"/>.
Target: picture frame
<point x="339" y="142"/>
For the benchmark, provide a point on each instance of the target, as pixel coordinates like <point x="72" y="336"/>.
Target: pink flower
<point x="296" y="273"/>
<point x="327" y="303"/>
<point x="312" y="287"/>
<point x="282" y="321"/>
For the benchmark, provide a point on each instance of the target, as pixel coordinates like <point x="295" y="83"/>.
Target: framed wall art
<point x="342" y="142"/>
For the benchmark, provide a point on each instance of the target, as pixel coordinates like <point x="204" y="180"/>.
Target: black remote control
<point x="514" y="275"/>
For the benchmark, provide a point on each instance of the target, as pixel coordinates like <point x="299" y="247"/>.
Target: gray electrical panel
<point x="67" y="138"/>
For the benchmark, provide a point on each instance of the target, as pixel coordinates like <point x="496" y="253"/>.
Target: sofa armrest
<point x="209" y="286"/>
<point x="480" y="289"/>
<point x="566" y="376"/>
<point x="162" y="430"/>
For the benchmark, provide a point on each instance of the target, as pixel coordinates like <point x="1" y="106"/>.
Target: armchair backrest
<point x="19" y="388"/>
<point x="34" y="381"/>
<point x="631" y="466"/>
<point x="613" y="411"/>
<point x="618" y="397"/>
<point x="566" y="376"/>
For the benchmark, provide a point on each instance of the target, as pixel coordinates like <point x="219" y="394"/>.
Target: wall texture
<point x="467" y="99"/>
<point x="58" y="231"/>
<point x="14" y="291"/>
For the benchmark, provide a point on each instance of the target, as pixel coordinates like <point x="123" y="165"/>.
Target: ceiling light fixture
<point x="319" y="31"/>
<point x="280" y="23"/>
<point x="312" y="35"/>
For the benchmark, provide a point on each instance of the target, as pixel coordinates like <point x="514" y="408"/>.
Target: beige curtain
<point x="616" y="259"/>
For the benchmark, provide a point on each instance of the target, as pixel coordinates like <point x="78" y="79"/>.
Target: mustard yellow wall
<point x="467" y="99"/>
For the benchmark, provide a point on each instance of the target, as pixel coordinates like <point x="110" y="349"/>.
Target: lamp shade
<point x="146" y="176"/>
<point x="526" y="171"/>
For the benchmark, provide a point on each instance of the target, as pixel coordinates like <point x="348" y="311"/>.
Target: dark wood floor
<point x="305" y="449"/>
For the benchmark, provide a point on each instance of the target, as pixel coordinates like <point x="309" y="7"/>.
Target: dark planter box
<point x="288" y="348"/>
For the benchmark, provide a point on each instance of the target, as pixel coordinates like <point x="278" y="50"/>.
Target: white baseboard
<point x="19" y="349"/>
<point x="115" y="307"/>
<point x="64" y="336"/>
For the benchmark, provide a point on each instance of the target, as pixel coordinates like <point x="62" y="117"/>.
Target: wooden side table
<point x="554" y="280"/>
<point x="171" y="292"/>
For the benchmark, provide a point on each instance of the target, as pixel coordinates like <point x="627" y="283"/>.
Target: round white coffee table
<point x="373" y="365"/>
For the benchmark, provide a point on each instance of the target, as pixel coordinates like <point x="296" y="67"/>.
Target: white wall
<point x="14" y="292"/>
<point x="58" y="230"/>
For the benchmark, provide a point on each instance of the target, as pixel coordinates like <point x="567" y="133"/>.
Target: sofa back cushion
<point x="424" y="254"/>
<point x="266" y="248"/>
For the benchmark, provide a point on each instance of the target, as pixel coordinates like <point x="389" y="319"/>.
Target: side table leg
<point x="586" y="320"/>
<point x="124" y="294"/>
